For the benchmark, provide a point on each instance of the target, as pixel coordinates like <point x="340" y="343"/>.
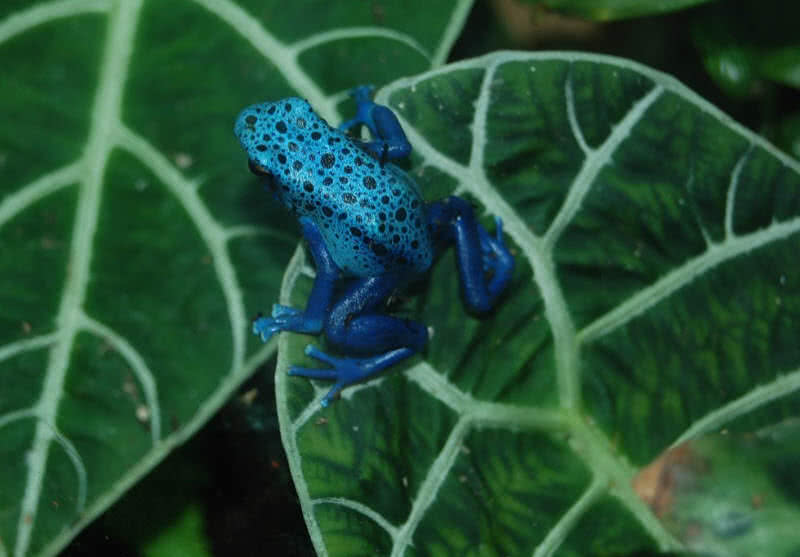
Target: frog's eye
<point x="257" y="169"/>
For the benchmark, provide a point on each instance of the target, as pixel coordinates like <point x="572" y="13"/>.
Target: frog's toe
<point x="498" y="233"/>
<point x="494" y="251"/>
<point x="279" y="310"/>
<point x="318" y="354"/>
<point x="345" y="371"/>
<point x="328" y="398"/>
<point x="265" y="327"/>
<point x="313" y="373"/>
<point x="257" y="324"/>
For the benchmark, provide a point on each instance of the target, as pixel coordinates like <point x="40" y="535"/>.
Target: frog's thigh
<point x="355" y="328"/>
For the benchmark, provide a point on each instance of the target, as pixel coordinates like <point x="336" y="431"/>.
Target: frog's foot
<point x="285" y="318"/>
<point x="346" y="371"/>
<point x="363" y="97"/>
<point x="495" y="254"/>
<point x="264" y="327"/>
<point x="362" y="93"/>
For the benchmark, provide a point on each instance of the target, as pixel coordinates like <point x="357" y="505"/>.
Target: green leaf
<point x="654" y="300"/>
<point x="136" y="245"/>
<point x="609" y="10"/>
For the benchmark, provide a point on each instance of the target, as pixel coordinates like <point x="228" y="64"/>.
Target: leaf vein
<point x="439" y="387"/>
<point x="730" y="199"/>
<point x="245" y="230"/>
<point x="105" y="112"/>
<point x="283" y="57"/>
<point x="344" y="33"/>
<point x="780" y="387"/>
<point x="16" y="415"/>
<point x="593" y="164"/>
<point x="572" y="116"/>
<point x="19" y="22"/>
<point x="361" y="508"/>
<point x="683" y="275"/>
<point x="452" y="31"/>
<point x="26" y="344"/>
<point x="558" y="533"/>
<point x="40" y="188"/>
<point x="138" y="366"/>
<point x="430" y="486"/>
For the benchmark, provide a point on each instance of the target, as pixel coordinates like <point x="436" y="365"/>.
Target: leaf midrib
<point x="105" y="112"/>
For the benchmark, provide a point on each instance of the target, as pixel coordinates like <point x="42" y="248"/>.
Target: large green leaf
<point x="135" y="245"/>
<point x="655" y="299"/>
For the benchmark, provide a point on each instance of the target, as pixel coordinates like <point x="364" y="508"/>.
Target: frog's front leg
<point x="312" y="320"/>
<point x="355" y="327"/>
<point x="390" y="140"/>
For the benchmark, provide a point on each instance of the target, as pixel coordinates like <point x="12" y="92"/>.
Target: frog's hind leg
<point x="453" y="222"/>
<point x="354" y="327"/>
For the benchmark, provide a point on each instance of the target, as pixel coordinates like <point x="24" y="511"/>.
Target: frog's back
<point x="371" y="216"/>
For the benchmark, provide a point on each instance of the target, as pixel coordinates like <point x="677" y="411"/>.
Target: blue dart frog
<point x="365" y="223"/>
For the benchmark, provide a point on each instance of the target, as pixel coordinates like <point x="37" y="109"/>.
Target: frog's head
<point x="274" y="134"/>
<point x="270" y="129"/>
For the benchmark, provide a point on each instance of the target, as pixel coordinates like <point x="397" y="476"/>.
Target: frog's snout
<point x="246" y="122"/>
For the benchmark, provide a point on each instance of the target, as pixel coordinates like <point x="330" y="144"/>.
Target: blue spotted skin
<point x="371" y="215"/>
<point x="363" y="218"/>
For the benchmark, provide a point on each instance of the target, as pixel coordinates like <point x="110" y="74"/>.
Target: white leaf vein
<point x="362" y="509"/>
<point x="679" y="277"/>
<point x="593" y="164"/>
<point x="11" y="349"/>
<point x="451" y="31"/>
<point x="24" y="20"/>
<point x="730" y="198"/>
<point x="347" y="33"/>
<point x="572" y="116"/>
<point x="30" y="193"/>
<point x="106" y="109"/>
<point x="782" y="386"/>
<point x="561" y="529"/>
<point x="283" y="57"/>
<point x="429" y="488"/>
<point x="138" y="366"/>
